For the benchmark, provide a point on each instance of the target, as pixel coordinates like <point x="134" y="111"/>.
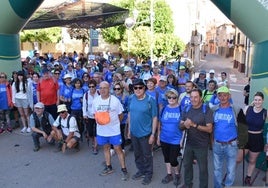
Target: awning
<point x="80" y="14"/>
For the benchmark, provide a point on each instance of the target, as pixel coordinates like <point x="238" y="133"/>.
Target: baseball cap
<point x="203" y="72"/>
<point x="223" y="89"/>
<point x="163" y="78"/>
<point x="127" y="68"/>
<point x="181" y="67"/>
<point x="62" y="108"/>
<point x="67" y="76"/>
<point x="211" y="71"/>
<point x="39" y="105"/>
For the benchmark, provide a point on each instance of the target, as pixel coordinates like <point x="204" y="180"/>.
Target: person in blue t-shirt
<point x="76" y="104"/>
<point x="142" y="125"/>
<point x="66" y="91"/>
<point x="225" y="140"/>
<point x="169" y="136"/>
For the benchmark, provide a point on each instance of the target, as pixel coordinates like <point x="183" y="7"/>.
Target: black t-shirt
<point x="246" y="88"/>
<point x="201" y="117"/>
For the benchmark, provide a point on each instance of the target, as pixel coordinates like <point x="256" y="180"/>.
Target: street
<point x="23" y="168"/>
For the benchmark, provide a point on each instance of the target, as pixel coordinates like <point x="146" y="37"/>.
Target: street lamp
<point x="129" y="23"/>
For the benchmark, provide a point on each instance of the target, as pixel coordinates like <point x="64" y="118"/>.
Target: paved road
<point x="20" y="167"/>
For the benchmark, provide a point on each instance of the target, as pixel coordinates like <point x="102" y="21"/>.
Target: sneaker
<point x="138" y="176"/>
<point x="112" y="152"/>
<point x="36" y="148"/>
<point x="146" y="181"/>
<point x="177" y="179"/>
<point x="94" y="151"/>
<point x="9" y="129"/>
<point x="168" y="178"/>
<point x="1" y="130"/>
<point x="29" y="130"/>
<point x="107" y="170"/>
<point x="63" y="148"/>
<point x="23" y="130"/>
<point x="247" y="181"/>
<point x="125" y="175"/>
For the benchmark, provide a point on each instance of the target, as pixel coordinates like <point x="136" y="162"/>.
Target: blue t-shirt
<point x="141" y="113"/>
<point x="170" y="120"/>
<point x="77" y="95"/>
<point x="3" y="97"/>
<point x="161" y="96"/>
<point x="34" y="93"/>
<point x="185" y="102"/>
<point x="108" y="77"/>
<point x="124" y="102"/>
<point x="66" y="91"/>
<point x="225" y="124"/>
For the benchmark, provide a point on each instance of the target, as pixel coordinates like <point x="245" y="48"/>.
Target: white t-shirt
<point x="73" y="126"/>
<point x="116" y="108"/>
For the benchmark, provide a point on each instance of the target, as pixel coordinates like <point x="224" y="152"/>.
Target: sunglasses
<point x="91" y="86"/>
<point x="56" y="73"/>
<point x="172" y="98"/>
<point x="117" y="88"/>
<point x="2" y="77"/>
<point x="141" y="87"/>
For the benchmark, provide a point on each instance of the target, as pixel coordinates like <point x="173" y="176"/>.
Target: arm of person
<point x="154" y="129"/>
<point x="120" y="116"/>
<point x="128" y="121"/>
<point x="207" y="128"/>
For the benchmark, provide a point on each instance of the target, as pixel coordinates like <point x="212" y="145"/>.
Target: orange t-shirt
<point x="48" y="89"/>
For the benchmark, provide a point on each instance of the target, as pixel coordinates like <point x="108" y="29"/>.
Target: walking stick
<point x="182" y="150"/>
<point x="243" y="176"/>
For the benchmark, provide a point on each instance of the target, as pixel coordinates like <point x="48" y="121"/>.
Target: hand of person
<point x="151" y="139"/>
<point x="44" y="135"/>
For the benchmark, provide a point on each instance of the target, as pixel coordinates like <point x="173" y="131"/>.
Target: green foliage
<point x="165" y="44"/>
<point x="41" y="35"/>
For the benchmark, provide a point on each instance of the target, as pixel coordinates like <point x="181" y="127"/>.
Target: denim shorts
<point x="21" y="103"/>
<point x="114" y="140"/>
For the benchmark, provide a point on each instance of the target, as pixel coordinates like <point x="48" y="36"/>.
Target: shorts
<point x="114" y="140"/>
<point x="21" y="103"/>
<point x="255" y="142"/>
<point x="74" y="137"/>
<point x="91" y="127"/>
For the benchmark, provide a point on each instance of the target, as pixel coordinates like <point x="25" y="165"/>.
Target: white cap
<point x="39" y="105"/>
<point x="127" y="68"/>
<point x="211" y="71"/>
<point x="163" y="78"/>
<point x="67" y="76"/>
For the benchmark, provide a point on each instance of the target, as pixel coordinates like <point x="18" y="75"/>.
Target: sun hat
<point x="62" y="108"/>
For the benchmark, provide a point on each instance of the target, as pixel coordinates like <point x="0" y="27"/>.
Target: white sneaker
<point x="112" y="152"/>
<point x="23" y="130"/>
<point x="29" y="130"/>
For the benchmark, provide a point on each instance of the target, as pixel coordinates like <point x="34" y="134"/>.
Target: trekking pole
<point x="243" y="175"/>
<point x="182" y="150"/>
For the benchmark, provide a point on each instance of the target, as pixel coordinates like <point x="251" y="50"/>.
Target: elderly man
<point x="65" y="129"/>
<point x="225" y="139"/>
<point x="48" y="93"/>
<point x="109" y="132"/>
<point x="142" y="128"/>
<point x="40" y="123"/>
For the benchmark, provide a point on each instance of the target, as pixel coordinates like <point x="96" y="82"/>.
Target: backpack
<point x="206" y="93"/>
<point x="68" y="121"/>
<point x="188" y="107"/>
<point x="205" y="82"/>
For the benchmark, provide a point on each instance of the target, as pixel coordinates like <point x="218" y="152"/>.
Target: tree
<point x="79" y="34"/>
<point x="41" y="35"/>
<point x="140" y="38"/>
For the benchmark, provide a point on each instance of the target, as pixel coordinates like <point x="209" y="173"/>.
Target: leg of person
<point x="122" y="129"/>
<point x="166" y="153"/>
<point x="201" y="155"/>
<point x="116" y="142"/>
<point x="23" y="119"/>
<point x="188" y="165"/>
<point x="104" y="141"/>
<point x="218" y="159"/>
<point x="173" y="158"/>
<point x="231" y="152"/>
<point x="146" y="150"/>
<point x="9" y="127"/>
<point x="27" y="118"/>
<point x="2" y="128"/>
<point x="251" y="166"/>
<point x="36" y="141"/>
<point x="138" y="158"/>
<point x="73" y="143"/>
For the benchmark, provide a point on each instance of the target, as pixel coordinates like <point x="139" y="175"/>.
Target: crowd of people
<point x="110" y="102"/>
